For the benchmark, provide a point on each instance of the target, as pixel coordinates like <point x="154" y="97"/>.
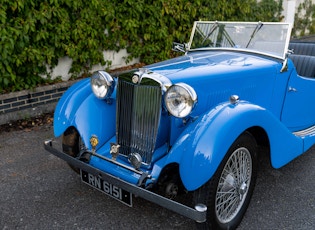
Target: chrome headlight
<point x="180" y="99"/>
<point x="102" y="84"/>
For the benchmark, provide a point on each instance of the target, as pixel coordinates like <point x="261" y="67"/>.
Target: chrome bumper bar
<point x="198" y="214"/>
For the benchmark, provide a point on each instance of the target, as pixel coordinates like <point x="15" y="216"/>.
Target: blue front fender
<point x="203" y="145"/>
<point x="79" y="108"/>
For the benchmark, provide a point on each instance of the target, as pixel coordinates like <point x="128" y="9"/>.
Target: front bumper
<point x="198" y="214"/>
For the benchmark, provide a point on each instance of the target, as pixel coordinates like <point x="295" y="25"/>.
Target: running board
<point x="305" y="132"/>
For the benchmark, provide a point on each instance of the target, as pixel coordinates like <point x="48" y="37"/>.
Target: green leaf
<point x="34" y="33"/>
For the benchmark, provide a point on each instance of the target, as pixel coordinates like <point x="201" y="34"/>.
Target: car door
<point x="298" y="111"/>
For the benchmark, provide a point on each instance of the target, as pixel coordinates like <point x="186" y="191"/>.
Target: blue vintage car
<point x="196" y="123"/>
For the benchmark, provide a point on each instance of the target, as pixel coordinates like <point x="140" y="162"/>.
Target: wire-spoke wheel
<point x="228" y="192"/>
<point x="233" y="185"/>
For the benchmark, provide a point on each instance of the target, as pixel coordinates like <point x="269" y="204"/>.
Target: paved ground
<point x="39" y="191"/>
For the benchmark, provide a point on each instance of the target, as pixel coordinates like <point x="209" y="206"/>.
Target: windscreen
<point x="267" y="38"/>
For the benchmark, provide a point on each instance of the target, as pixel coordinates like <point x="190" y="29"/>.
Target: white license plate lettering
<point x="94" y="181"/>
<point x="112" y="190"/>
<point x="107" y="188"/>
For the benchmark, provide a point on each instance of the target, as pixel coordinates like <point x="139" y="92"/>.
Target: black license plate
<point x="107" y="188"/>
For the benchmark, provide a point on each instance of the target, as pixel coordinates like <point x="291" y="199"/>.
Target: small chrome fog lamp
<point x="180" y="99"/>
<point x="102" y="84"/>
<point x="135" y="160"/>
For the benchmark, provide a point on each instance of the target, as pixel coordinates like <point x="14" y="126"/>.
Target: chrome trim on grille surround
<point x="138" y="117"/>
<point x="164" y="82"/>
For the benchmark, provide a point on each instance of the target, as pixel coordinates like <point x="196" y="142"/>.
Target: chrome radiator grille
<point x="138" y="116"/>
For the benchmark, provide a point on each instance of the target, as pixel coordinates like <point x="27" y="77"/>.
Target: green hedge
<point x="35" y="33"/>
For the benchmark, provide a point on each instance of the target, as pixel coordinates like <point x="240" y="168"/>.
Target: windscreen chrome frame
<point x="282" y="57"/>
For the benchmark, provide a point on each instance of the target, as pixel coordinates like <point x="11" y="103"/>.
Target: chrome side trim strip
<point x="305" y="132"/>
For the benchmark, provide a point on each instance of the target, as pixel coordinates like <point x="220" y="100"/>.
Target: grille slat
<point x="138" y="116"/>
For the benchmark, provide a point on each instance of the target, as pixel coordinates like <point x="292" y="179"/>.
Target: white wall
<point x="289" y="8"/>
<point x="117" y="59"/>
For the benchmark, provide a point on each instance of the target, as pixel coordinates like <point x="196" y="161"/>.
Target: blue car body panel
<point x="202" y="146"/>
<point x="68" y="105"/>
<point x="198" y="144"/>
<point x="298" y="112"/>
<point x="220" y="74"/>
<point x="79" y="108"/>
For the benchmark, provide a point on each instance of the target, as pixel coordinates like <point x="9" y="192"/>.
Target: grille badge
<point x="135" y="79"/>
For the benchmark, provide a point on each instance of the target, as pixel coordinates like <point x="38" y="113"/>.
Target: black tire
<point x="71" y="144"/>
<point x="236" y="187"/>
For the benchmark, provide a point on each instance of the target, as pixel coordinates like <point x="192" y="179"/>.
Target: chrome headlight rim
<point x="102" y="84"/>
<point x="180" y="100"/>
